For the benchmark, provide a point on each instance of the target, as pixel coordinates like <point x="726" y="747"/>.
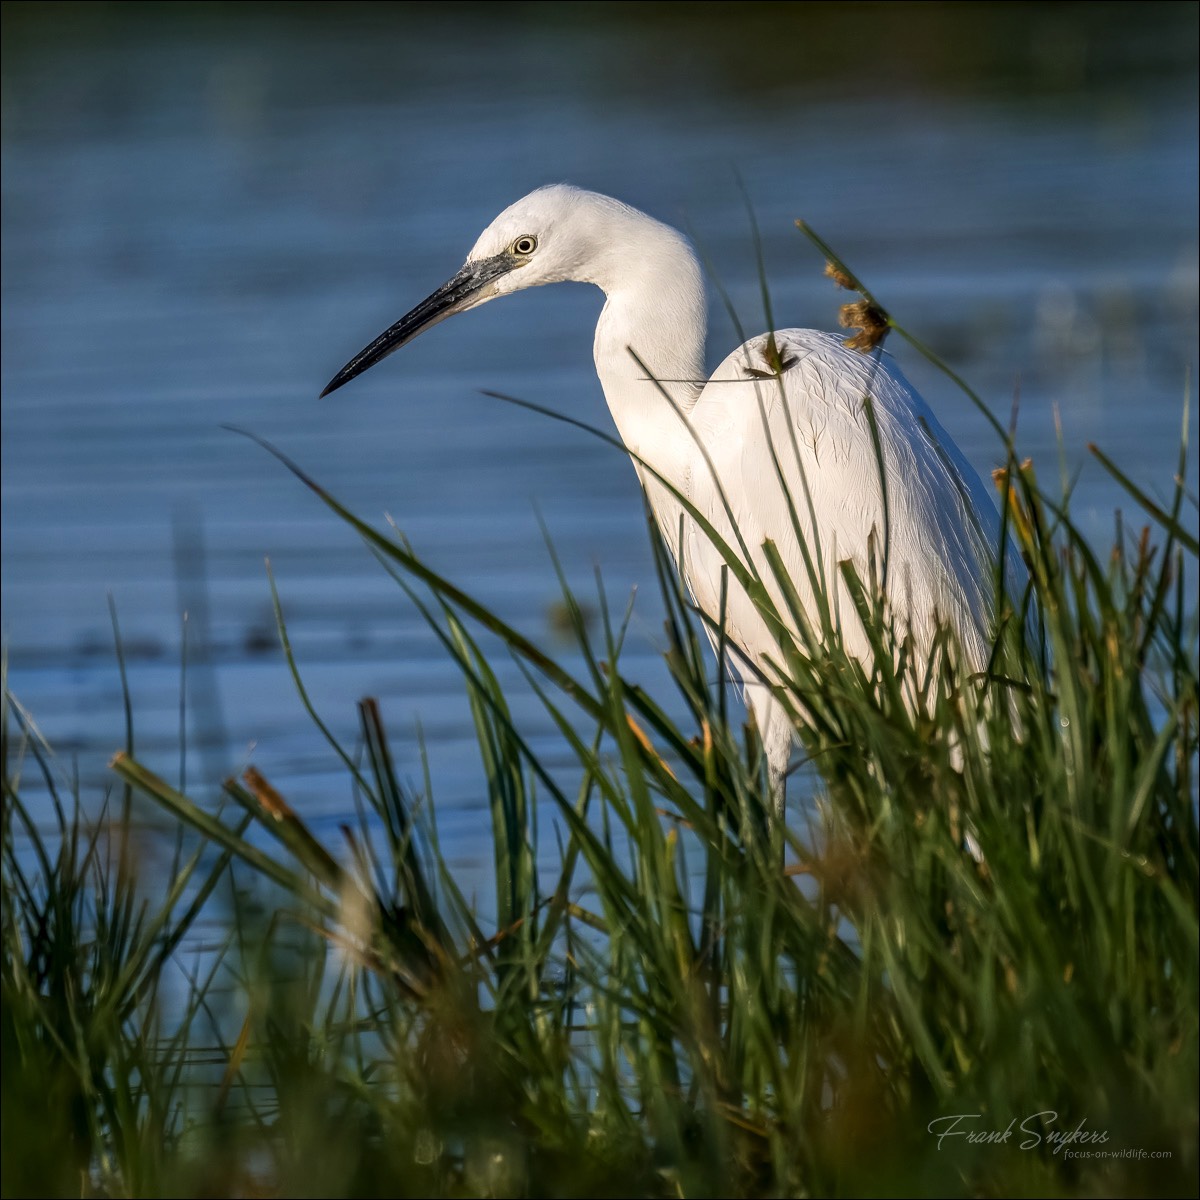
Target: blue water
<point x="204" y="217"/>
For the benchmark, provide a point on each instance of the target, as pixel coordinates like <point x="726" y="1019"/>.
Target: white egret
<point x="805" y="394"/>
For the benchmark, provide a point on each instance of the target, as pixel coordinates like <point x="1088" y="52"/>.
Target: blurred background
<point x="207" y="208"/>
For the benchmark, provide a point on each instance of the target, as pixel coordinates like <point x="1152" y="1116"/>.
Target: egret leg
<point x="778" y="737"/>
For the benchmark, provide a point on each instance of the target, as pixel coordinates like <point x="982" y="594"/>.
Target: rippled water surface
<point x="206" y="213"/>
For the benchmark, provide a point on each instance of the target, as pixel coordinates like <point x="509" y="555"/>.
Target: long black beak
<point x="453" y="296"/>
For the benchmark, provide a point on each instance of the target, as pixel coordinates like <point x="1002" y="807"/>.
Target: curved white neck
<point x="655" y="310"/>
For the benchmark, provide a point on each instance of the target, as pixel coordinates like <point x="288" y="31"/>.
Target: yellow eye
<point x="525" y="245"/>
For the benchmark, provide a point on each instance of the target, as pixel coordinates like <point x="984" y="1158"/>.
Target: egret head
<point x="549" y="236"/>
<point x="555" y="234"/>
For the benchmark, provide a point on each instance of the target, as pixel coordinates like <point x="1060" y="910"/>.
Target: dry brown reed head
<point x="870" y="321"/>
<point x="841" y="277"/>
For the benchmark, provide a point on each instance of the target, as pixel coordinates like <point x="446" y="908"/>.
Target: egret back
<point x="833" y="456"/>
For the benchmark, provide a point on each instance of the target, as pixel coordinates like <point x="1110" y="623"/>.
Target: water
<point x="205" y="215"/>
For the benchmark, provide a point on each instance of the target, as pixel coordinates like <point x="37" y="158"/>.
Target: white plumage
<point x="806" y="397"/>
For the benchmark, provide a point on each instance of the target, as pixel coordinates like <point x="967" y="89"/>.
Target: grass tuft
<point x="988" y="925"/>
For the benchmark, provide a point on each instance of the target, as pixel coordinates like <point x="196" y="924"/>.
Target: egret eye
<point x="525" y="245"/>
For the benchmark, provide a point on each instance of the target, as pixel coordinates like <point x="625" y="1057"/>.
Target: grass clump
<point x="976" y="973"/>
